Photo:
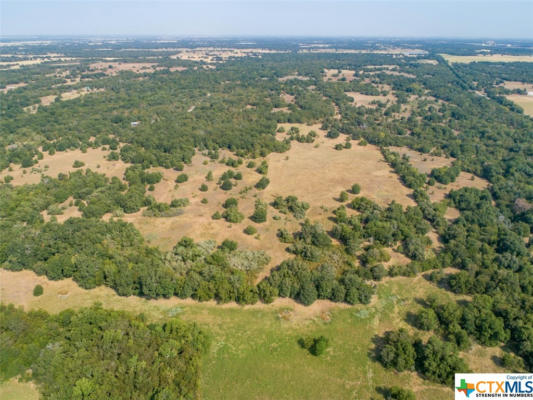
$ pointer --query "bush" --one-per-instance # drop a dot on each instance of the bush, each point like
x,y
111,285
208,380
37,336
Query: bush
x,y
78,164
230,202
398,351
232,215
38,290
250,230
316,346
427,320
177,203
262,183
203,188
397,393
182,178
343,197
356,188
229,245
226,185
260,212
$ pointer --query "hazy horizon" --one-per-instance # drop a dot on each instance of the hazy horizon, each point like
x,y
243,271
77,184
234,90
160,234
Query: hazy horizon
x,y
473,19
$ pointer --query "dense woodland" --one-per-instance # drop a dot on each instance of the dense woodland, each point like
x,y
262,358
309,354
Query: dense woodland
x,y
95,353
437,108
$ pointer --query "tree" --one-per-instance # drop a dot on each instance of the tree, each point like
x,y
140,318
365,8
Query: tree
x,y
226,185
397,393
262,183
427,320
343,197
260,212
316,346
308,293
38,290
439,361
182,178
203,187
250,230
356,188
398,352
232,214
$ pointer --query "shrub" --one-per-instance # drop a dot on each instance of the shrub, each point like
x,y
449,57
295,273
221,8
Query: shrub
x,y
229,245
230,202
316,346
203,188
263,168
176,203
343,197
427,320
38,290
232,215
78,164
182,178
356,189
226,185
397,393
260,212
250,230
263,183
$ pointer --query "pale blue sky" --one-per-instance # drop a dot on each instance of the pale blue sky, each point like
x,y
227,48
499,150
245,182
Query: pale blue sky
x,y
377,18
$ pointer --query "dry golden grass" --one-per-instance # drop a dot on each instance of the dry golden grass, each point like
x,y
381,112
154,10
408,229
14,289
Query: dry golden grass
x,y
69,211
360,99
392,50
15,390
12,86
294,76
423,162
73,94
438,192
426,61
526,102
314,174
213,54
486,58
62,161
483,359
334,75
113,67
452,213
318,174
287,98
47,100
511,85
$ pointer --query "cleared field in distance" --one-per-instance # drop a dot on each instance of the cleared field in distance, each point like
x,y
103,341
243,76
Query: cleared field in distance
x,y
526,102
61,162
486,58
254,351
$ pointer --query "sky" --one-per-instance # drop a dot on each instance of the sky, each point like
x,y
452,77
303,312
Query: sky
x,y
318,18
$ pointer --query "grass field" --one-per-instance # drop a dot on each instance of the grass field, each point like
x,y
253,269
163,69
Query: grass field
x,y
254,352
14,390
486,58
526,102
61,162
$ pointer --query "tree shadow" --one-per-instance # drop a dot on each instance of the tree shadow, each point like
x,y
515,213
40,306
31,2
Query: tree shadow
x,y
375,351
